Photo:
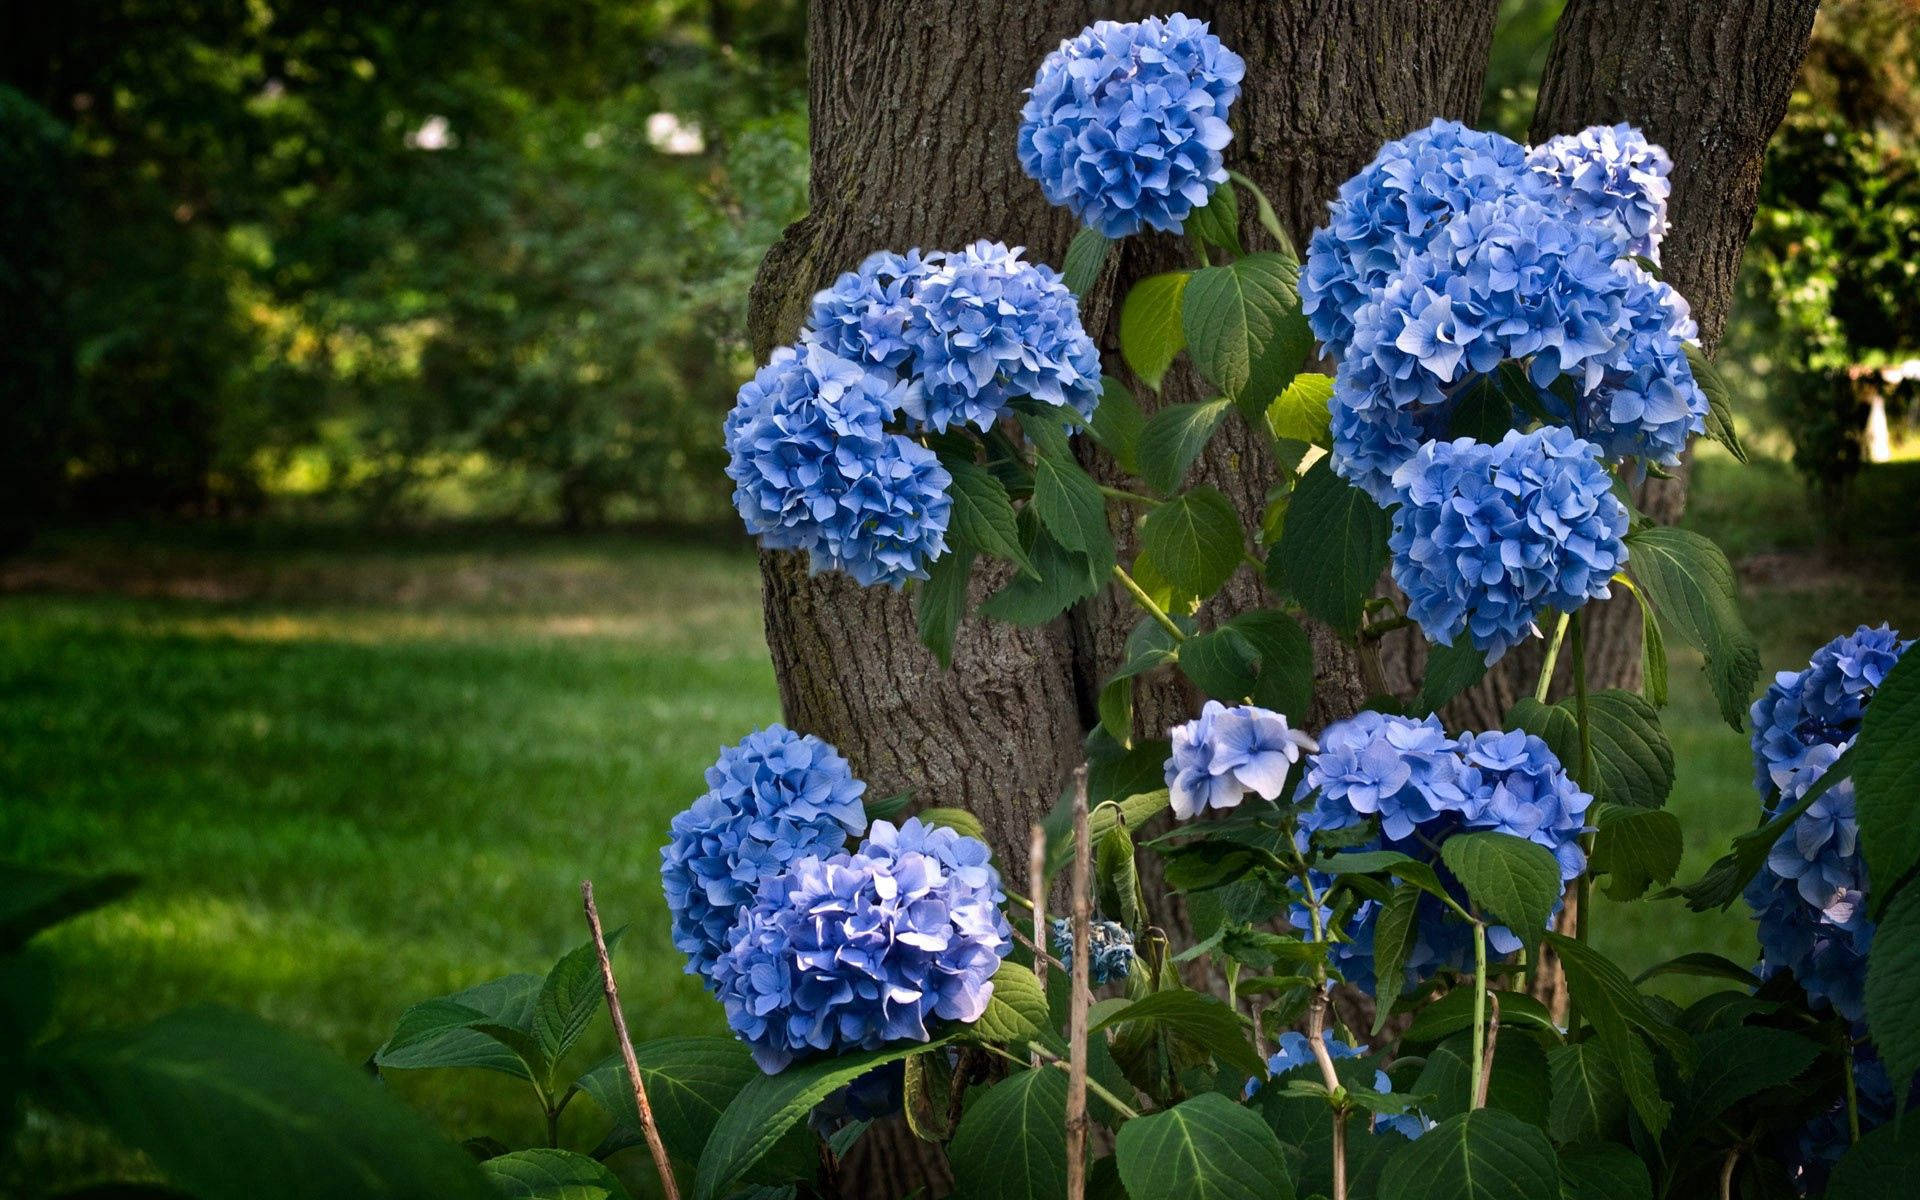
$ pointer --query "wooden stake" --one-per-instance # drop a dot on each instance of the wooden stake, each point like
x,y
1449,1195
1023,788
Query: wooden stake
x,y
1079,994
655,1147
1037,889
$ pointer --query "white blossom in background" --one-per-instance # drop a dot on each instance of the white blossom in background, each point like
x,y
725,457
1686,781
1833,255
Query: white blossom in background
x,y
668,134
435,133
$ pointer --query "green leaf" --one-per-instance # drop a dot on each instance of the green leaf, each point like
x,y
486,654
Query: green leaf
x,y
1118,423
1893,985
1518,1085
1009,1145
1173,438
1454,1011
1197,1016
572,993
1485,1154
1719,401
1484,412
1730,874
1283,669
1016,1012
1268,219
552,1175
1553,724
1702,965
1886,778
1881,1166
690,1081
769,1105
1244,327
1632,758
1069,504
1603,1173
982,520
1589,1096
442,1033
1736,1063
1150,329
1086,258
959,820
1620,1015
1195,539
229,1108
1688,580
1117,877
1636,848
1206,1148
1450,671
1217,222
1220,663
33,899
1301,412
1653,653
1332,548
940,602
1064,579
926,1092
1507,877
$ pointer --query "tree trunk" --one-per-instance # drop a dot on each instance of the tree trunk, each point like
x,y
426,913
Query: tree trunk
x,y
913,115
1710,82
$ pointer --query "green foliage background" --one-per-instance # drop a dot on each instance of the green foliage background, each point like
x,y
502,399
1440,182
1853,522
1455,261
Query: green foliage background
x,y
255,269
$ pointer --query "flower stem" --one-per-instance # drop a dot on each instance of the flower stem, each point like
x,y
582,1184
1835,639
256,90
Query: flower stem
x,y
1126,497
1552,659
1583,888
1853,1096
1479,1091
1145,601
1078,989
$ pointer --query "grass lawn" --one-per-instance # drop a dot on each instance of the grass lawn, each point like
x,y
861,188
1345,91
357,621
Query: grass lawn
x,y
355,773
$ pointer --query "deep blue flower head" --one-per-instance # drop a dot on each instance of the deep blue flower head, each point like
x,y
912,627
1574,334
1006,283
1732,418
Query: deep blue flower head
x,y
1110,949
1424,786
1224,753
873,1096
856,951
1486,537
1809,902
1613,175
1812,1151
1391,208
774,797
953,338
1124,123
1295,1053
814,469
985,328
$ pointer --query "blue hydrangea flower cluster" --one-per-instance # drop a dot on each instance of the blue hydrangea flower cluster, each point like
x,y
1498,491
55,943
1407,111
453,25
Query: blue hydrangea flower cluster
x,y
775,797
953,338
1486,537
1124,124
1813,1150
1612,174
854,951
1110,949
1422,786
1453,253
1295,1053
814,469
1224,753
1389,209
1809,901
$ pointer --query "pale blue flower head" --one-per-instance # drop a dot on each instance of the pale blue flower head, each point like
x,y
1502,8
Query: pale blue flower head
x,y
1124,124
1224,753
1403,771
1294,1052
858,951
814,469
985,327
1487,537
774,797
1612,175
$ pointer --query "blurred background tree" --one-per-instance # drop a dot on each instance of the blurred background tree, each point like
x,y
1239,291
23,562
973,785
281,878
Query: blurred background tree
x,y
386,259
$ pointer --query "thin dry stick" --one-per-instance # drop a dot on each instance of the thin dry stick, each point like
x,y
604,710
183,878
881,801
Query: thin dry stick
x,y
1037,888
1317,1042
1079,993
1493,1035
654,1146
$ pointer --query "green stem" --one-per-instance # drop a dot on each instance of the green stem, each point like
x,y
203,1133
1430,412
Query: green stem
x,y
1145,601
1853,1096
1380,629
1233,987
1552,659
1054,1060
1479,1012
1127,497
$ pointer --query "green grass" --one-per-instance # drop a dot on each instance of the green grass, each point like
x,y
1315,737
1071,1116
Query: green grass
x,y
358,773
357,777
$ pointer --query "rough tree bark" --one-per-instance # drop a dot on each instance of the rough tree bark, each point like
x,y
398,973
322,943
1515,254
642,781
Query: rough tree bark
x,y
1710,82
913,112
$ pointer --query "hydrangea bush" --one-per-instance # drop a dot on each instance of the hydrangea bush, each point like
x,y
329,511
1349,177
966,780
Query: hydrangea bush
x,y
1371,892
